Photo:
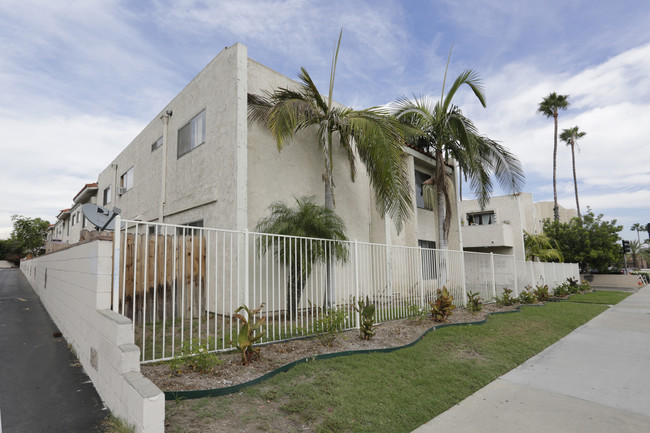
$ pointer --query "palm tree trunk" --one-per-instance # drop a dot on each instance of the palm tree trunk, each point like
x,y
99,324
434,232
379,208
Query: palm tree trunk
x,y
329,285
556,210
442,238
575,178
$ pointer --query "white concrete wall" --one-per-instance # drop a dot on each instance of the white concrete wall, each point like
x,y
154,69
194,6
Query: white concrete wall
x,y
75,288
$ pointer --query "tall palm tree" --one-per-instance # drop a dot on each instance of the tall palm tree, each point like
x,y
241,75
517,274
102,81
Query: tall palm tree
x,y
570,137
635,250
370,134
443,130
305,220
539,246
638,227
549,107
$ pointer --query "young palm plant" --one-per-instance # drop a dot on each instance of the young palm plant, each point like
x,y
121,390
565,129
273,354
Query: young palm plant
x,y
442,129
307,220
541,248
570,137
549,107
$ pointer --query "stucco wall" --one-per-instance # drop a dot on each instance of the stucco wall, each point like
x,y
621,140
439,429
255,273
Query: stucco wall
x,y
75,288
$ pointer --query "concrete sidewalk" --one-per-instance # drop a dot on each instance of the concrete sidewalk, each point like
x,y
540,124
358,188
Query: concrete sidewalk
x,y
596,379
42,386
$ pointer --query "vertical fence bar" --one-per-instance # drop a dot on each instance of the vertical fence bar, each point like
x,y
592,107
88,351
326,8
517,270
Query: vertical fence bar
x,y
116,263
494,283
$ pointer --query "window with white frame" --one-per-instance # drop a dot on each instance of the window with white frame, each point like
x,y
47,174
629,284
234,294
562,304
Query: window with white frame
x,y
107,196
126,180
191,135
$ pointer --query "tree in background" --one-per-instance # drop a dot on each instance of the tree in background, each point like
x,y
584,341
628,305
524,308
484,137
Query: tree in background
x,y
588,241
307,220
549,107
638,227
540,248
10,251
570,137
29,234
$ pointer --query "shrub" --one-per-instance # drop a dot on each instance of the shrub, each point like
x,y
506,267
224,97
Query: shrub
x,y
561,290
542,293
366,312
328,325
249,333
585,287
443,306
527,296
572,286
474,302
193,357
505,299
417,313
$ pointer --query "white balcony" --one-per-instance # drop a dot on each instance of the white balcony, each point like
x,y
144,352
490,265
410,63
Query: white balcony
x,y
488,235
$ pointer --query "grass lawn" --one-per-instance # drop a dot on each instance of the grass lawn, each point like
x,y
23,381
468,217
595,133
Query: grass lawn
x,y
605,297
389,392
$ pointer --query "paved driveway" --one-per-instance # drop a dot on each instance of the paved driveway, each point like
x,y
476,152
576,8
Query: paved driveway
x,y
42,388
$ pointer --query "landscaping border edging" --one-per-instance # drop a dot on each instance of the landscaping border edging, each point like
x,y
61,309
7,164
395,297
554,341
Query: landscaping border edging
x,y
217,392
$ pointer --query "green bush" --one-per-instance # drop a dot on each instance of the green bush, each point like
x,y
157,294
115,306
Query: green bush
x,y
527,296
328,325
416,313
505,299
474,302
193,357
561,290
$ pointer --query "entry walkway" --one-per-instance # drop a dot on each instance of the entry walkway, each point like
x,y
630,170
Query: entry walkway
x,y
596,379
42,387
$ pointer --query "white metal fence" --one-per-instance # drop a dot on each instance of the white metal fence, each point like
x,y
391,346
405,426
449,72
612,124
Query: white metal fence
x,y
181,285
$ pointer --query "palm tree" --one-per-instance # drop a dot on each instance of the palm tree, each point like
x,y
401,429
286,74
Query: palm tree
x,y
539,246
370,134
443,130
635,250
570,137
305,220
638,227
549,107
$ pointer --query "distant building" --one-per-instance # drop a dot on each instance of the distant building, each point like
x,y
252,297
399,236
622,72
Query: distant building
x,y
498,228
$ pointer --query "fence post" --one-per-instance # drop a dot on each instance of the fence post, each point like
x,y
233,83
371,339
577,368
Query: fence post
x,y
462,273
116,262
419,250
356,280
514,273
246,268
494,281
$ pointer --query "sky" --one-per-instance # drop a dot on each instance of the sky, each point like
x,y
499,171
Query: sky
x,y
79,79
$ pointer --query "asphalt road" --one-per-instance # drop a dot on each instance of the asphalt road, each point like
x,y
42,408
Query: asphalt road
x,y
42,386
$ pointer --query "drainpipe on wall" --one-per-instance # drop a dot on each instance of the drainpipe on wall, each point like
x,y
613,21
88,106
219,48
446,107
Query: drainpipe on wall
x,y
163,172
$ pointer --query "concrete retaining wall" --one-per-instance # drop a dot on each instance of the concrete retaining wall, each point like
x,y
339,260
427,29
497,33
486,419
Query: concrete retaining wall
x,y
75,288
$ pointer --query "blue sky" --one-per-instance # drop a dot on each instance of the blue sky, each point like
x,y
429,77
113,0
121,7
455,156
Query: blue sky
x,y
80,79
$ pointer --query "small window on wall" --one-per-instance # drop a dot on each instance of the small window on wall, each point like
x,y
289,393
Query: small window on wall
x,y
420,178
126,180
191,135
480,219
107,196
156,144
181,231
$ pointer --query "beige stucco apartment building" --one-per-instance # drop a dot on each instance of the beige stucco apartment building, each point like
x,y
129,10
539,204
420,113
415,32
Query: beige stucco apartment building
x,y
498,228
200,162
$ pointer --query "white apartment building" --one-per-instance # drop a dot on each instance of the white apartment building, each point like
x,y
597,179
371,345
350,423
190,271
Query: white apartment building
x,y
200,162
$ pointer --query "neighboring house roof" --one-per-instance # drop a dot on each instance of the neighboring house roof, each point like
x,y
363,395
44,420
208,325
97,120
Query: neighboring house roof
x,y
86,192
63,214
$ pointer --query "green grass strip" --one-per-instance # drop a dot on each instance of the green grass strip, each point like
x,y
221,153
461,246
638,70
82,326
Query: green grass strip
x,y
604,297
397,390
